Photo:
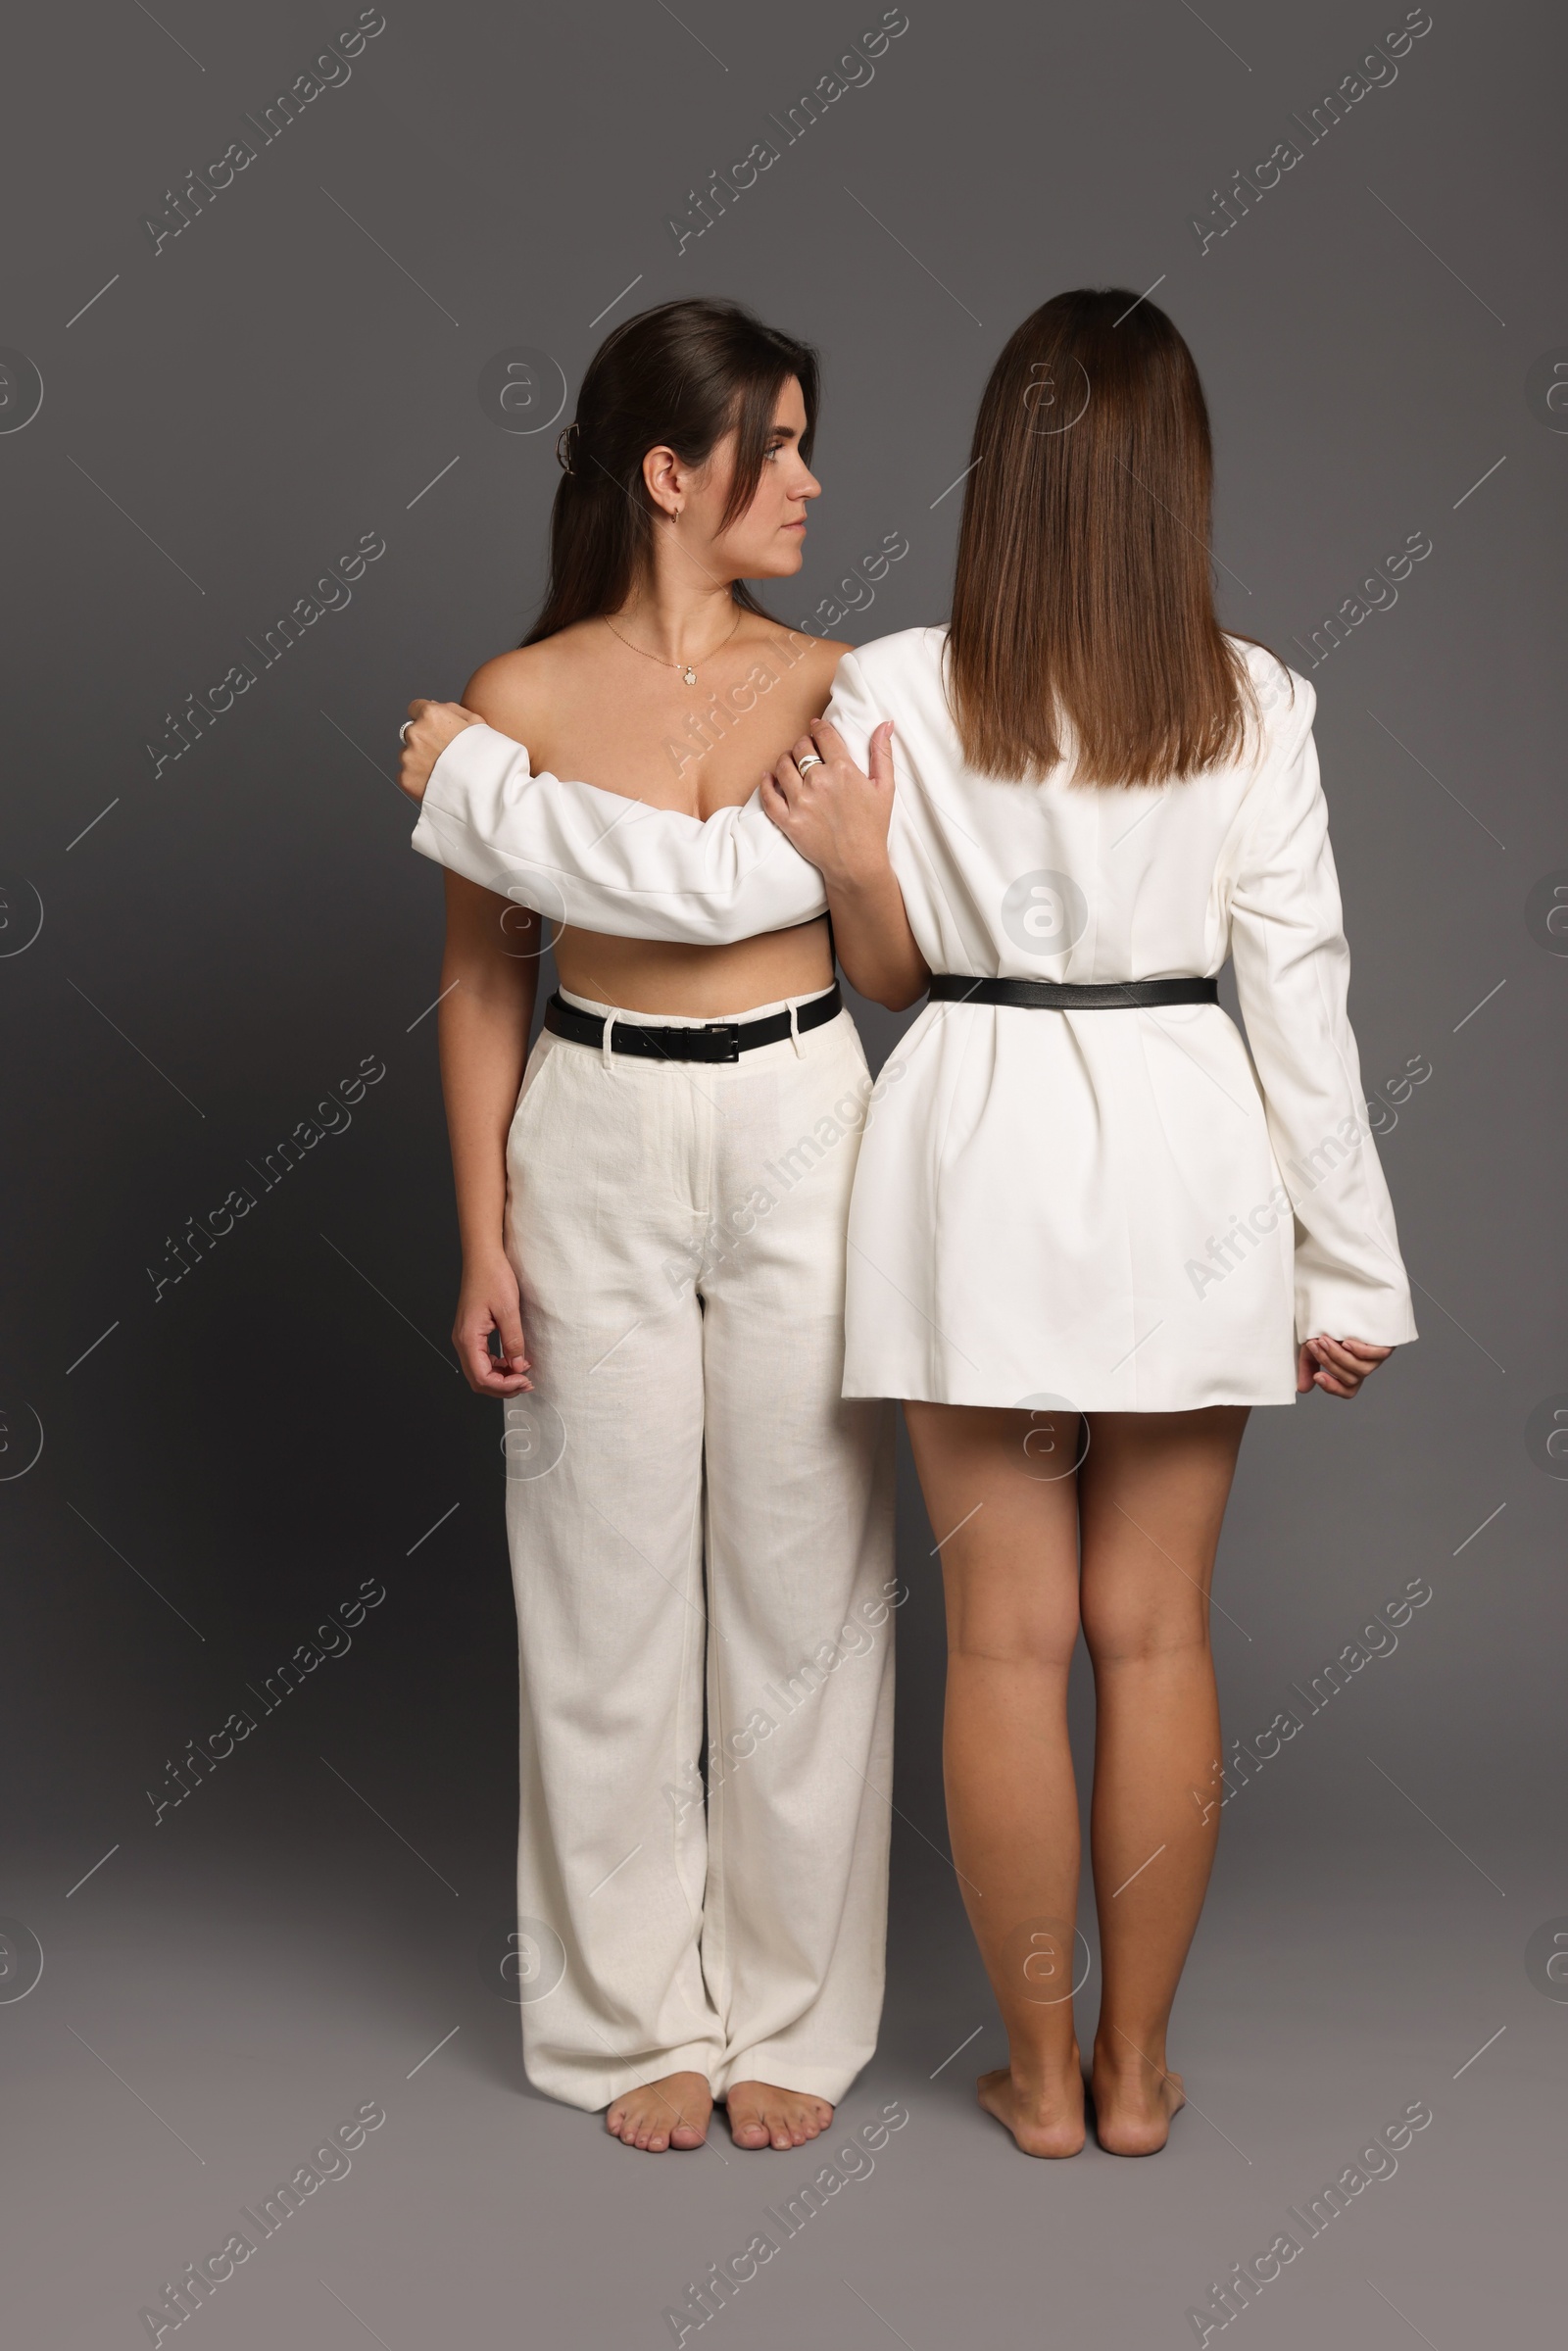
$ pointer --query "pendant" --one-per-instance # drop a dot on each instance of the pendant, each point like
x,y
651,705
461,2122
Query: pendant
x,y
690,675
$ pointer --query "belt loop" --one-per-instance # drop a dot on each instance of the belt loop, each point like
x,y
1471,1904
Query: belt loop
x,y
795,1031
606,1043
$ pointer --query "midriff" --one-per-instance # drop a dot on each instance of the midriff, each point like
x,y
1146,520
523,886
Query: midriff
x,y
703,983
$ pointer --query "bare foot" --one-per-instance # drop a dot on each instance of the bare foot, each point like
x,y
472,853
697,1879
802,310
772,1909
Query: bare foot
x,y
762,2116
1134,2102
671,2112
1045,2113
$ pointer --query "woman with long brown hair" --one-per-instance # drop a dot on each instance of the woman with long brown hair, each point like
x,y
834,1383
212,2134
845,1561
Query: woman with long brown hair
x,y
652,1216
1087,1234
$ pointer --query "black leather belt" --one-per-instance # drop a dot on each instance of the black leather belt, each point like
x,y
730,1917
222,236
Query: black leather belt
x,y
714,1041
1066,996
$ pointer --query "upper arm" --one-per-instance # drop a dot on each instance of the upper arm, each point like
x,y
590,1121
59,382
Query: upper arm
x,y
492,943
1285,821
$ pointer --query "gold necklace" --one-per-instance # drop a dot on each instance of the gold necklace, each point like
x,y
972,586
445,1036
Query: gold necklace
x,y
686,668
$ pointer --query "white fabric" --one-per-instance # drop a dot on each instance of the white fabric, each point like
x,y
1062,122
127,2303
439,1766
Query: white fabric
x,y
1096,1207
1115,1207
677,1231
601,862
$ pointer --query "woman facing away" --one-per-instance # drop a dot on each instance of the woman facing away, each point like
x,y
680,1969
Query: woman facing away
x,y
694,1513
1088,1232
1088,1236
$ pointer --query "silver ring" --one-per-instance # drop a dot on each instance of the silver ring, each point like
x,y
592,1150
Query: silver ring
x,y
403,730
813,758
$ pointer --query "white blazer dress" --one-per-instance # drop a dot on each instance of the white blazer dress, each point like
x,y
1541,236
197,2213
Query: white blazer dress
x,y
1114,1209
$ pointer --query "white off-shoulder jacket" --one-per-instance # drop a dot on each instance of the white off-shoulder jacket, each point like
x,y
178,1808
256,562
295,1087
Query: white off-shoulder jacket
x,y
1115,1210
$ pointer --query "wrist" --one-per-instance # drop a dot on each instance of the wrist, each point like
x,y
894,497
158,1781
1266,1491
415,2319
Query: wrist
x,y
866,877
482,1256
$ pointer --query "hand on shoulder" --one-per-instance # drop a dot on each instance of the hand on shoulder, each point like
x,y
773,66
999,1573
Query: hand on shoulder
x,y
430,726
835,813
506,693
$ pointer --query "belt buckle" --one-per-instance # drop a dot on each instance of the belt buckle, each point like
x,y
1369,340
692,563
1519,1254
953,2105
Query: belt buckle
x,y
726,1038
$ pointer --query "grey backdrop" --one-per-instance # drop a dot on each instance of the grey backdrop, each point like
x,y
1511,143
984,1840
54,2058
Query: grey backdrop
x,y
197,949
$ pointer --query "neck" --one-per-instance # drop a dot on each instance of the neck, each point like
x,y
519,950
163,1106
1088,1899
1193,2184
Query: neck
x,y
679,611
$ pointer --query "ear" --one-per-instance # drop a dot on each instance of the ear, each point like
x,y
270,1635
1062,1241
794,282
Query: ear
x,y
664,477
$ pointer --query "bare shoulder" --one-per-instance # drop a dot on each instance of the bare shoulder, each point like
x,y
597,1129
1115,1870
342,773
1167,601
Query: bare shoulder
x,y
833,652
516,691
786,651
507,691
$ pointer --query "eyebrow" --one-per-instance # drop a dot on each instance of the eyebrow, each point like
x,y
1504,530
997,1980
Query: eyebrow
x,y
786,432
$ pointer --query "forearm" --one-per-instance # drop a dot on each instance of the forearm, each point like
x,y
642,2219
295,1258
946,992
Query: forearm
x,y
600,862
484,1020
873,940
1292,970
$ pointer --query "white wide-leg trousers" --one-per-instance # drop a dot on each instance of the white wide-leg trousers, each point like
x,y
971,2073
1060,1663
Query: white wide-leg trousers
x,y
700,1532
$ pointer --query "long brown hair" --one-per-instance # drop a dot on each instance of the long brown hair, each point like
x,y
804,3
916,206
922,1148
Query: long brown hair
x,y
680,376
1082,613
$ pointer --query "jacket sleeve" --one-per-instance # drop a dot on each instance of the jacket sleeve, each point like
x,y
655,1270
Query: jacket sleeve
x,y
600,863
1293,971
852,709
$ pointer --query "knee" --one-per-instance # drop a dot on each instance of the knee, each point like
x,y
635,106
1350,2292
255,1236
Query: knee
x,y
1041,1643
1141,1633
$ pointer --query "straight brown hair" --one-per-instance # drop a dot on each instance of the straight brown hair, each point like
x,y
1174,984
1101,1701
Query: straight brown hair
x,y
1083,611
680,376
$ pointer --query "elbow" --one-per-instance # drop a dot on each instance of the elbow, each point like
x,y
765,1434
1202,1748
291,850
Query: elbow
x,y
892,981
893,994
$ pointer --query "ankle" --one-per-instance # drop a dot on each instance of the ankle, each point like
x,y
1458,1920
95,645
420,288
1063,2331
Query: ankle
x,y
1130,2057
1055,2062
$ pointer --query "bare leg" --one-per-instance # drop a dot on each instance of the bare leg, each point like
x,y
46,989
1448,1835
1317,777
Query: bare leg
x,y
1007,1519
761,2114
671,2112
1152,1492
